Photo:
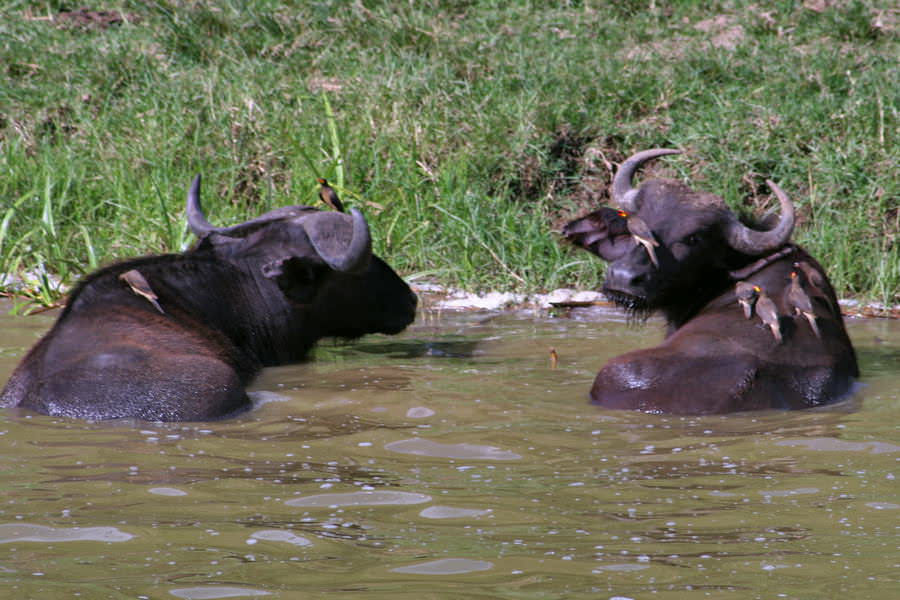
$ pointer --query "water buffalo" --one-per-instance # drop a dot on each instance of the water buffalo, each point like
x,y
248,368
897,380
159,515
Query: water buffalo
x,y
178,337
753,321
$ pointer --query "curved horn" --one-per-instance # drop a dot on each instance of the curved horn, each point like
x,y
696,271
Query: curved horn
x,y
753,242
195,217
622,192
356,255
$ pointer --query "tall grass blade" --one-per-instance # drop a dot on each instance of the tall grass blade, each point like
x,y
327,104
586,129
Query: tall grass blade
x,y
335,142
171,241
93,263
4,229
47,211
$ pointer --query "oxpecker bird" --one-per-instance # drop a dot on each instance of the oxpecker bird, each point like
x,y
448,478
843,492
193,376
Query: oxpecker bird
x,y
799,302
768,314
139,286
746,293
815,282
813,277
328,195
642,235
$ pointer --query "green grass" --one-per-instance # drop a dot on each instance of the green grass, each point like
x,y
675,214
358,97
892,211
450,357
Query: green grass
x,y
467,131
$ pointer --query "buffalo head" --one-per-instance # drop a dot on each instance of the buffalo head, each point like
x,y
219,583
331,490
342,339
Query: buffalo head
x,y
320,261
666,243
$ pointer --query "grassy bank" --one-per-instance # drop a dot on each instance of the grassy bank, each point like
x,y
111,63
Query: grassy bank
x,y
467,131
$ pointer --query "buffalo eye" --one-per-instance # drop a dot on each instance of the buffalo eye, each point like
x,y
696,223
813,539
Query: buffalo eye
x,y
687,246
298,279
693,239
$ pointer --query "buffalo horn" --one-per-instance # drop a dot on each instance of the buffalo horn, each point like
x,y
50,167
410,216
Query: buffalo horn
x,y
351,259
622,191
753,242
195,217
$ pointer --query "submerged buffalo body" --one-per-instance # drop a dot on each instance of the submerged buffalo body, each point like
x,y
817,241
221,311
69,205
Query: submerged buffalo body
x,y
178,337
753,321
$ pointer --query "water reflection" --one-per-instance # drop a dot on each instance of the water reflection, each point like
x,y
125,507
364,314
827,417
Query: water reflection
x,y
364,498
787,493
219,467
879,358
446,566
419,412
277,535
457,348
215,592
166,491
423,447
449,512
835,445
27,532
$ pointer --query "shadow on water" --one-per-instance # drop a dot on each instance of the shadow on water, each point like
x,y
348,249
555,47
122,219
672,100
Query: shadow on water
x,y
881,359
459,348
457,461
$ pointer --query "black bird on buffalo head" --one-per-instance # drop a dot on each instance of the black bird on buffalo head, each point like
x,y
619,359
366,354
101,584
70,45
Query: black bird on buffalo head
x,y
329,196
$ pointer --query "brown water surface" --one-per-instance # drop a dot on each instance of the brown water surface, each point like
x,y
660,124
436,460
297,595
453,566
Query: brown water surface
x,y
452,461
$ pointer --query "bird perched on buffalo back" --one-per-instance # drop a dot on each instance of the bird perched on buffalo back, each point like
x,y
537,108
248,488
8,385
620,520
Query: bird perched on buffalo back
x,y
813,277
800,303
815,283
768,313
328,195
139,285
746,293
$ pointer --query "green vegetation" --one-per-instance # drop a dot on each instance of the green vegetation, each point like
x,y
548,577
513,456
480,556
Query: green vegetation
x,y
467,131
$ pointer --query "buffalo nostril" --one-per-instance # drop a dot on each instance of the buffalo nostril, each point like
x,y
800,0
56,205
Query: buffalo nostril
x,y
625,278
638,280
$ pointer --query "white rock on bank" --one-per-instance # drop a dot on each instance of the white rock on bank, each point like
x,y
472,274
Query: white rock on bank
x,y
451,299
489,301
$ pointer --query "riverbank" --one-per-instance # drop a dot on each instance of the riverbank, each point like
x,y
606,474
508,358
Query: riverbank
x,y
436,297
468,133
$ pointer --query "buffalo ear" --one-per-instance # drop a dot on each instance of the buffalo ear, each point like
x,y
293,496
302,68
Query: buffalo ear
x,y
298,278
603,232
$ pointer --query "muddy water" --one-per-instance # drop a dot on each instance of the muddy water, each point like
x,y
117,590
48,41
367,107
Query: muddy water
x,y
453,462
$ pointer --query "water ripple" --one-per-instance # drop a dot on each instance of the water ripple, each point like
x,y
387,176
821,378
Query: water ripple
x,y
376,498
836,445
277,535
449,512
423,447
446,566
214,592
